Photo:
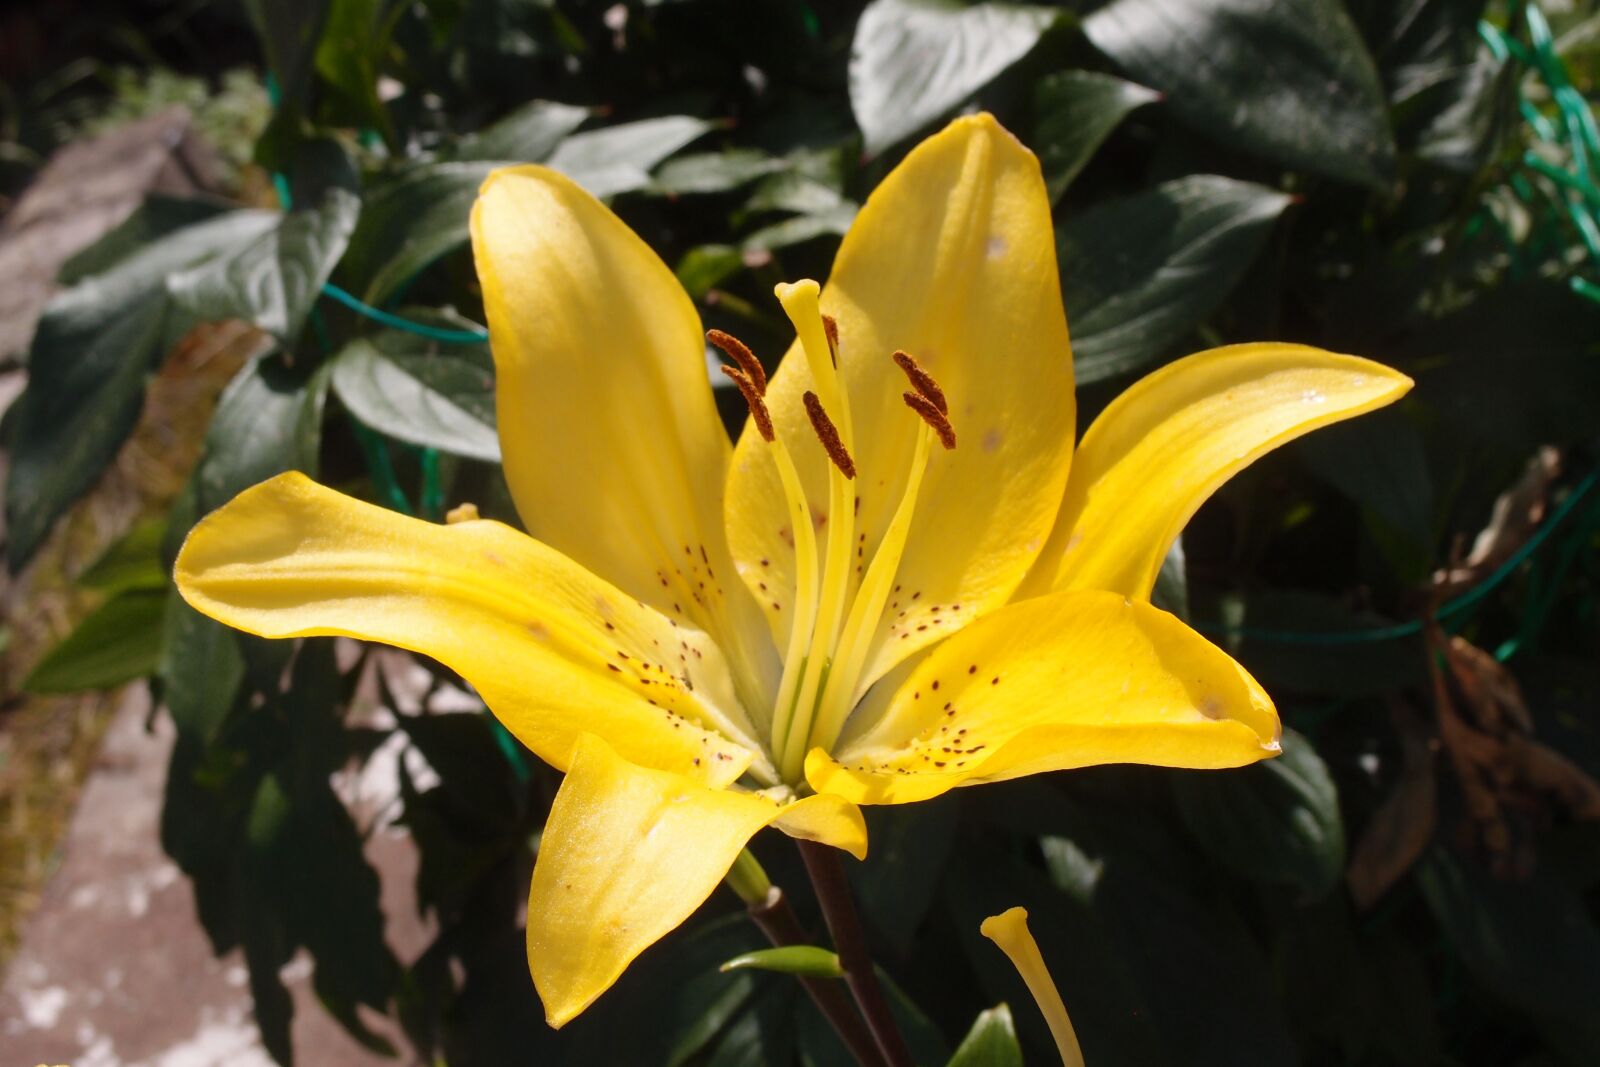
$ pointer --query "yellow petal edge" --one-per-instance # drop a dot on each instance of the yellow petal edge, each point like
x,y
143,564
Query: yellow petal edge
x,y
1172,438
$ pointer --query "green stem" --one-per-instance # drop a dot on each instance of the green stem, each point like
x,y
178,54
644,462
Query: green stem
x,y
839,911
776,919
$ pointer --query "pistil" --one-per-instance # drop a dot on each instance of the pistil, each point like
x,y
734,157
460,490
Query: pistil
x,y
752,382
840,695
834,619
800,303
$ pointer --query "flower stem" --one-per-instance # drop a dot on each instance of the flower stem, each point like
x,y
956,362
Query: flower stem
x,y
777,920
839,910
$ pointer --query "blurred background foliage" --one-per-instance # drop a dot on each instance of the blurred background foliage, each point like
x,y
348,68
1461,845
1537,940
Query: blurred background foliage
x,y
1415,881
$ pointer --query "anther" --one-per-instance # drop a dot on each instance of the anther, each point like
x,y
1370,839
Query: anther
x,y
740,353
829,435
933,417
752,397
830,326
922,381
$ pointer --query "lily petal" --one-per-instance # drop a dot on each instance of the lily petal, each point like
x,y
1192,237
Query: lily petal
x,y
629,853
612,445
952,259
553,650
1173,437
1067,680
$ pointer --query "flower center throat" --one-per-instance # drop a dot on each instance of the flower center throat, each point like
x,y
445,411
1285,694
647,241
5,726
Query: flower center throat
x,y
839,597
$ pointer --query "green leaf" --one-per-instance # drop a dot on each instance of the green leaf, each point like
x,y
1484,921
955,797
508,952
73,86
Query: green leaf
x,y
1275,821
1530,940
423,214
117,642
671,1004
1290,80
420,391
1139,273
96,345
274,280
808,961
348,56
831,223
714,172
201,670
154,219
1123,928
134,562
409,222
897,882
289,31
1171,592
992,1042
704,267
1380,461
1077,111
763,1036
268,420
914,60
529,133
618,159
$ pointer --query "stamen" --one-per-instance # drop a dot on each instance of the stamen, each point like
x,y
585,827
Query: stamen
x,y
829,435
740,353
933,417
752,398
830,326
922,381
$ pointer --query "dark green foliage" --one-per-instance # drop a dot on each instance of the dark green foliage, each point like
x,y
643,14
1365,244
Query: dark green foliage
x,y
1346,174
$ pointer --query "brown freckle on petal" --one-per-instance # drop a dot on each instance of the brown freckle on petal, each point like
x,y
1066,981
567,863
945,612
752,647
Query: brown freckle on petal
x,y
972,669
938,763
697,761
776,606
614,667
936,685
995,680
917,695
766,563
917,594
921,628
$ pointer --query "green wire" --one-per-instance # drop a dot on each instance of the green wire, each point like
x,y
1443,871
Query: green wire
x,y
475,336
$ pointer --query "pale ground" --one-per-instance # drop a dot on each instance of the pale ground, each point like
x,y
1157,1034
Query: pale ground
x,y
113,969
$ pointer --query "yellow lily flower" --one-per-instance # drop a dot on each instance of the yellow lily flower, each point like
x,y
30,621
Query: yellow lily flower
x,y
842,609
